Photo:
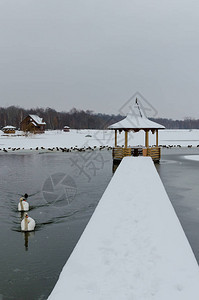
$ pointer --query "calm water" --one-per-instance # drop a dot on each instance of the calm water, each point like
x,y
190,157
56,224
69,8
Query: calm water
x,y
64,190
180,178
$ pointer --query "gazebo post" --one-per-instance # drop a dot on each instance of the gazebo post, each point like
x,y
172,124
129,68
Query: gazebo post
x,y
116,138
156,137
146,138
126,138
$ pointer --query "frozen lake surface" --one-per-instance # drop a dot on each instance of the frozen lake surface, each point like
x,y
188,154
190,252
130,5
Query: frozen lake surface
x,y
64,190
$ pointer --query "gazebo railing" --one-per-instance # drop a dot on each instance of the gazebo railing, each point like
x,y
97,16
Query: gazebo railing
x,y
153,152
120,152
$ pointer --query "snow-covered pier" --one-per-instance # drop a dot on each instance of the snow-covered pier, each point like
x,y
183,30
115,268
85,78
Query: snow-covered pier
x,y
134,247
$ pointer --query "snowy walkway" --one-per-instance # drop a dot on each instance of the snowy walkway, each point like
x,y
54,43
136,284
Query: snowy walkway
x,y
134,247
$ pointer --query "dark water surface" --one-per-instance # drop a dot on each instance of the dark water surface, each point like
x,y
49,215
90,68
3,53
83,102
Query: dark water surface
x,y
64,190
180,177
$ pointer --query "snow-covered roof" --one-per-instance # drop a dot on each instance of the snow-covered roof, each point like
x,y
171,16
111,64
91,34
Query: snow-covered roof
x,y
67,127
37,119
9,127
136,119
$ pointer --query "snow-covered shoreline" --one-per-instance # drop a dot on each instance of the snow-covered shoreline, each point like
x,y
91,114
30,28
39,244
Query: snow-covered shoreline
x,y
93,138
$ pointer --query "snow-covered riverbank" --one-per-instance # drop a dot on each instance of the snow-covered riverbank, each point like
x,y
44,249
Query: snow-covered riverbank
x,y
91,138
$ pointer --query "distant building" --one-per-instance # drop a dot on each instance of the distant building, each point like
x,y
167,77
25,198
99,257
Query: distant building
x,y
33,123
9,129
66,129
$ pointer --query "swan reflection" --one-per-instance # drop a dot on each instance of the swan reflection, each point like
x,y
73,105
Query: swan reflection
x,y
26,237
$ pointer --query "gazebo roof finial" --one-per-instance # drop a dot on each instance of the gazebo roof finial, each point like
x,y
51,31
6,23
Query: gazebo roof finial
x,y
136,120
140,112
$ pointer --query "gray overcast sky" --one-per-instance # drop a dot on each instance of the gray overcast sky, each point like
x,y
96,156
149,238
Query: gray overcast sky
x,y
95,54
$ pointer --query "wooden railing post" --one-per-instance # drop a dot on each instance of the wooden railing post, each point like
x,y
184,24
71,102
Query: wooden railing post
x,y
126,138
116,138
147,138
156,137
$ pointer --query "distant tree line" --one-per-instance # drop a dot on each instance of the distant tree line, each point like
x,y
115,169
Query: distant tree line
x,y
77,119
187,123
80,119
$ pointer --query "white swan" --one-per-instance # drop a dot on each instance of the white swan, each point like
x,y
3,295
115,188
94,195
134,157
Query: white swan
x,y
23,205
27,224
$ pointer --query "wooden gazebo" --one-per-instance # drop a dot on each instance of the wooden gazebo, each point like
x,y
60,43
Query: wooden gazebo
x,y
136,121
9,129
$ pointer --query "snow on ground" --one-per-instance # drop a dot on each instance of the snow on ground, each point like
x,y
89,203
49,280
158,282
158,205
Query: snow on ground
x,y
81,138
192,157
57,138
53,138
134,247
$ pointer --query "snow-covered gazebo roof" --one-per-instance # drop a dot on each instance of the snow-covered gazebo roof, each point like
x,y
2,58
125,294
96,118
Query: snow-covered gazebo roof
x,y
136,120
9,127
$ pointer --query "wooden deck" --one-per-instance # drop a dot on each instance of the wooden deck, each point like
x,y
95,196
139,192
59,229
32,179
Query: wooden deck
x,y
154,152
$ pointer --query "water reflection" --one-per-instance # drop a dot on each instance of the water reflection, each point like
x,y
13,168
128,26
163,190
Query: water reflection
x,y
25,234
26,237
115,165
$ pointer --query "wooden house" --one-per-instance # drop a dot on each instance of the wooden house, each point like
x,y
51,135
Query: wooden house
x,y
33,123
136,121
9,129
66,129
